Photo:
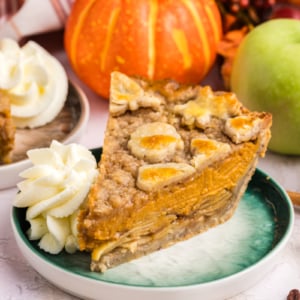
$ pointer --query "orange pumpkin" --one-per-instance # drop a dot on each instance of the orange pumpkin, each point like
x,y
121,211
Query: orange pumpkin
x,y
156,39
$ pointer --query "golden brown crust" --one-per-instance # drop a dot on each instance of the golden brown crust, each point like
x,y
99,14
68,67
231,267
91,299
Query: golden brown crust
x,y
7,130
122,213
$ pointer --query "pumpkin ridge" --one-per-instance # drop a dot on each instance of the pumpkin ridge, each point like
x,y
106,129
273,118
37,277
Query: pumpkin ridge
x,y
213,22
76,33
111,26
200,28
151,37
182,45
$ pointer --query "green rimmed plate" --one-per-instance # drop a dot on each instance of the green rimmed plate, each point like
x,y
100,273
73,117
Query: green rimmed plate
x,y
215,265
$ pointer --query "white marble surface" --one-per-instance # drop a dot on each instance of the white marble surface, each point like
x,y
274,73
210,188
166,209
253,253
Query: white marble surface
x,y
19,281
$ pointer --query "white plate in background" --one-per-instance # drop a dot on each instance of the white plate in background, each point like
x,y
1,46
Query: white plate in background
x,y
67,127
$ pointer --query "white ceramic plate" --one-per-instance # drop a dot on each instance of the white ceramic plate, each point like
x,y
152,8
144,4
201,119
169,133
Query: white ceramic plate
x,y
212,266
67,127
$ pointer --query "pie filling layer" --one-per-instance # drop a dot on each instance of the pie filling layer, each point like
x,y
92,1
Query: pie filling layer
x,y
174,214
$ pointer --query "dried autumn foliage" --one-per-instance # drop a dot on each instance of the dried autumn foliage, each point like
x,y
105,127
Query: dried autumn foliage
x,y
238,18
227,48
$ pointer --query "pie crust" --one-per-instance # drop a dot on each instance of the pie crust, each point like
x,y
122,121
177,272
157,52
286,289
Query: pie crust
x,y
7,130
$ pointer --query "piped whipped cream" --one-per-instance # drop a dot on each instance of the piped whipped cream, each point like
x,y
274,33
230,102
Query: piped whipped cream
x,y
34,80
53,190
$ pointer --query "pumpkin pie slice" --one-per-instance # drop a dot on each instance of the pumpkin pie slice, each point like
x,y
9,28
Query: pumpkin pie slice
x,y
176,161
7,130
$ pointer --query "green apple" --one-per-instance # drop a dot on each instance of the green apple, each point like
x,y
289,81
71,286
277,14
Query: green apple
x,y
266,77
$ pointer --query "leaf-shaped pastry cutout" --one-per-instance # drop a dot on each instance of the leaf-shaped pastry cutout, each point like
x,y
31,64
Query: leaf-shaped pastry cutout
x,y
153,177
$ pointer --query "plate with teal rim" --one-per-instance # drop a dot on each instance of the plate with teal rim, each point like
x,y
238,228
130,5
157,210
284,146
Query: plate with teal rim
x,y
217,264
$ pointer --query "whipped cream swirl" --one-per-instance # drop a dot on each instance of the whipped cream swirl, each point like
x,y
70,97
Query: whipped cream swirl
x,y
35,82
53,191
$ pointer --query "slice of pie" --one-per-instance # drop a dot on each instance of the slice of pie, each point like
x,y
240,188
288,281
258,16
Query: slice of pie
x,y
176,161
7,130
